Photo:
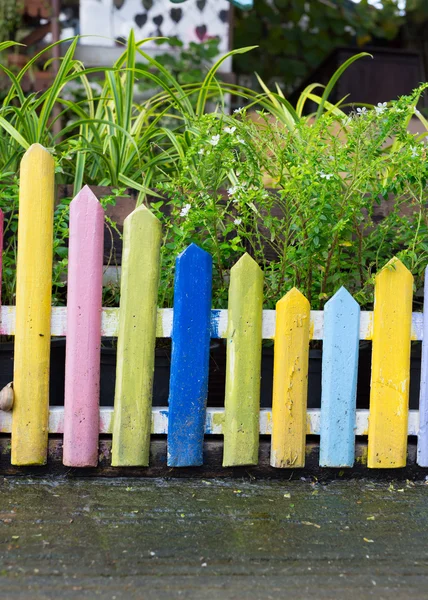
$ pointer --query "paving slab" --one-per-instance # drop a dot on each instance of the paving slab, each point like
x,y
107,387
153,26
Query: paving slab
x,y
224,539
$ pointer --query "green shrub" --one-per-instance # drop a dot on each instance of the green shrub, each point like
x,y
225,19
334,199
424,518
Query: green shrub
x,y
302,200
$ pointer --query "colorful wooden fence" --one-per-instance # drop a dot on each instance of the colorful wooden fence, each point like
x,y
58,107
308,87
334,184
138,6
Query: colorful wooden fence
x,y
191,325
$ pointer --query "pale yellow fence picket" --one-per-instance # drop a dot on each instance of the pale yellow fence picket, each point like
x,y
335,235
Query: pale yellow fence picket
x,y
244,340
136,339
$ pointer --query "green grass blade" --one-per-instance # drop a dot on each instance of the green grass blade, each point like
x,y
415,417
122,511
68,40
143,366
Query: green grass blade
x,y
202,97
14,133
334,79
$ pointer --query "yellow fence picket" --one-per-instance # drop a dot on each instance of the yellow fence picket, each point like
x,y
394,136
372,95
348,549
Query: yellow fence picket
x,y
389,395
290,381
244,341
136,339
33,308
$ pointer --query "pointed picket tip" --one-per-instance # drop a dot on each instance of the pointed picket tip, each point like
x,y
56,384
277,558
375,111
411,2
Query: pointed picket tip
x,y
396,267
85,196
342,296
294,296
37,152
142,214
246,262
194,251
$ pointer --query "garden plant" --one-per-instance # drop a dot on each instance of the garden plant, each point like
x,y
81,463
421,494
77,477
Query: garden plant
x,y
299,193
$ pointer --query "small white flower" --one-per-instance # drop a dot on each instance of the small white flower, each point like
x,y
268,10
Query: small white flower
x,y
232,190
304,22
238,111
349,30
214,140
325,175
237,221
240,141
362,111
185,210
314,30
415,152
201,151
380,108
331,157
230,130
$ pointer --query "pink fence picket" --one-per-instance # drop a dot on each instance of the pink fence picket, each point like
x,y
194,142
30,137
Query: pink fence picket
x,y
82,368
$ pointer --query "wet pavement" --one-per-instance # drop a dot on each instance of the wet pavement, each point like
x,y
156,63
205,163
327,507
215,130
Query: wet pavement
x,y
153,538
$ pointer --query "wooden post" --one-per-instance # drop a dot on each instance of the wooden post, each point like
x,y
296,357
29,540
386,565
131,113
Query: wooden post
x,y
33,308
422,457
84,301
136,339
389,395
339,380
190,357
243,365
290,381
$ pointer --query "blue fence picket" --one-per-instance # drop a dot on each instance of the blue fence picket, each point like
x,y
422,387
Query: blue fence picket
x,y
339,380
422,456
190,357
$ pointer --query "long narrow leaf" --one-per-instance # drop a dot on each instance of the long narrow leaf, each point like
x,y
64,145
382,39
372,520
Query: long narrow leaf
x,y
335,77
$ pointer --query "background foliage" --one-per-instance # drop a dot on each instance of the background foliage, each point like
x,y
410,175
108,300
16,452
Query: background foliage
x,y
294,36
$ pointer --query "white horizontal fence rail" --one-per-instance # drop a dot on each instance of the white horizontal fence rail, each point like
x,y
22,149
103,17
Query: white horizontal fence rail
x,y
214,417
110,323
213,423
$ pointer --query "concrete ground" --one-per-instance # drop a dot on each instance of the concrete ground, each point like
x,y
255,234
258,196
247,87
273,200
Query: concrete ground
x,y
153,538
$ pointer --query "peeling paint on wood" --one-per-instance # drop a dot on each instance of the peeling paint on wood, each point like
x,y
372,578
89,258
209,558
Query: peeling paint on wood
x,y
136,339
339,380
290,381
389,395
422,457
33,308
110,323
84,301
244,345
214,421
190,357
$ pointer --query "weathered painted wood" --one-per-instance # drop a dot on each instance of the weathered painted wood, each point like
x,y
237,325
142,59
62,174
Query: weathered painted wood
x,y
84,301
422,456
243,364
290,381
339,380
110,323
389,395
33,308
213,423
136,339
211,468
188,388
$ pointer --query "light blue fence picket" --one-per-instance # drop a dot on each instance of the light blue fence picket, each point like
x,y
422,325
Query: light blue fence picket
x,y
339,380
190,357
243,325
